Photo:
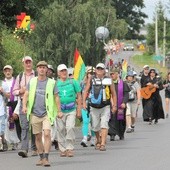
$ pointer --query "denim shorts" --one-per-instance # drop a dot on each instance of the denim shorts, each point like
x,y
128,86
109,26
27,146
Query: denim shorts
x,y
2,124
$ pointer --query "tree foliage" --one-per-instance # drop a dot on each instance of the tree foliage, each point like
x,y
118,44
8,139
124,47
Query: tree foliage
x,y
63,25
61,28
130,11
13,50
10,8
160,10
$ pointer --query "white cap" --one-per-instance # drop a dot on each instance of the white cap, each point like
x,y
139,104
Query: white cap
x,y
62,67
146,66
26,58
50,67
7,66
100,65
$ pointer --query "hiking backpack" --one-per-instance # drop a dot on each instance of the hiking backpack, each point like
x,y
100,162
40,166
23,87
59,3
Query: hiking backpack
x,y
132,92
99,94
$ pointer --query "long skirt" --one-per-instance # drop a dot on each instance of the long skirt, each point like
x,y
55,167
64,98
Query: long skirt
x,y
117,127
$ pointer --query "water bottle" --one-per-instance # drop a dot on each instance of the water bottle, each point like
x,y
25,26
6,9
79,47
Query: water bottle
x,y
104,94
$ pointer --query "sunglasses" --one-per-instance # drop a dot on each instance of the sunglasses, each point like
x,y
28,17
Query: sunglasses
x,y
63,70
99,68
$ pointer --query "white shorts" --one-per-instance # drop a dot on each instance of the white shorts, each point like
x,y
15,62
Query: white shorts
x,y
131,109
100,118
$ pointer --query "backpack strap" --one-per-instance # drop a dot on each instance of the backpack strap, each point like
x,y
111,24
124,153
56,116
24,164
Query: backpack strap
x,y
20,77
35,73
21,74
71,82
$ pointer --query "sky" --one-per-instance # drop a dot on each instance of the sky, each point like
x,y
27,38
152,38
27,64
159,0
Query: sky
x,y
150,9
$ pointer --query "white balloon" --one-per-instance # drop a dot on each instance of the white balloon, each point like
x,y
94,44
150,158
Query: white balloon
x,y
102,33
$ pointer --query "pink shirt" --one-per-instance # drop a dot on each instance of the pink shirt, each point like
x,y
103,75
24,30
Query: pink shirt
x,y
23,83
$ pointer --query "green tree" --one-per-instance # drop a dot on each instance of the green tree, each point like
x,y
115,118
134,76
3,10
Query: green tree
x,y
13,50
168,28
160,10
31,7
2,51
131,12
63,27
9,10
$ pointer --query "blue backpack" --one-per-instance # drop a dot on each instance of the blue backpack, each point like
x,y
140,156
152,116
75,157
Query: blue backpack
x,y
96,95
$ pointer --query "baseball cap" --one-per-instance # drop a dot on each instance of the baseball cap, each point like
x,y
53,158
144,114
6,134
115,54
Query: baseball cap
x,y
62,67
101,65
7,66
42,63
115,70
146,66
50,67
26,58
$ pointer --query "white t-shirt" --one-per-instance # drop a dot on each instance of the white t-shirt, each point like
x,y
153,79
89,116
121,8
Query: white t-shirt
x,y
2,102
9,84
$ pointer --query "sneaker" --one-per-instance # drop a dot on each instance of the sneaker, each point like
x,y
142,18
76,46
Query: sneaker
x,y
84,143
5,147
133,128
34,153
23,153
150,121
70,153
112,138
88,137
14,146
63,154
156,121
129,130
92,142
1,145
46,162
55,143
122,137
40,162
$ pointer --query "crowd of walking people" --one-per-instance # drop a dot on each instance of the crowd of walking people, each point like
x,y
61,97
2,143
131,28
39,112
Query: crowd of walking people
x,y
39,107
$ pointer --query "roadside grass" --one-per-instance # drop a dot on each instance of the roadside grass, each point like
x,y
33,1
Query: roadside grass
x,y
147,59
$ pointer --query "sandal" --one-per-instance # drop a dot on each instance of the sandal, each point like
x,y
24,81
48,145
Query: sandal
x,y
102,148
97,147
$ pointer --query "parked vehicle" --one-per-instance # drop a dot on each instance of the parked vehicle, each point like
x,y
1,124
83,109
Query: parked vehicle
x,y
128,47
